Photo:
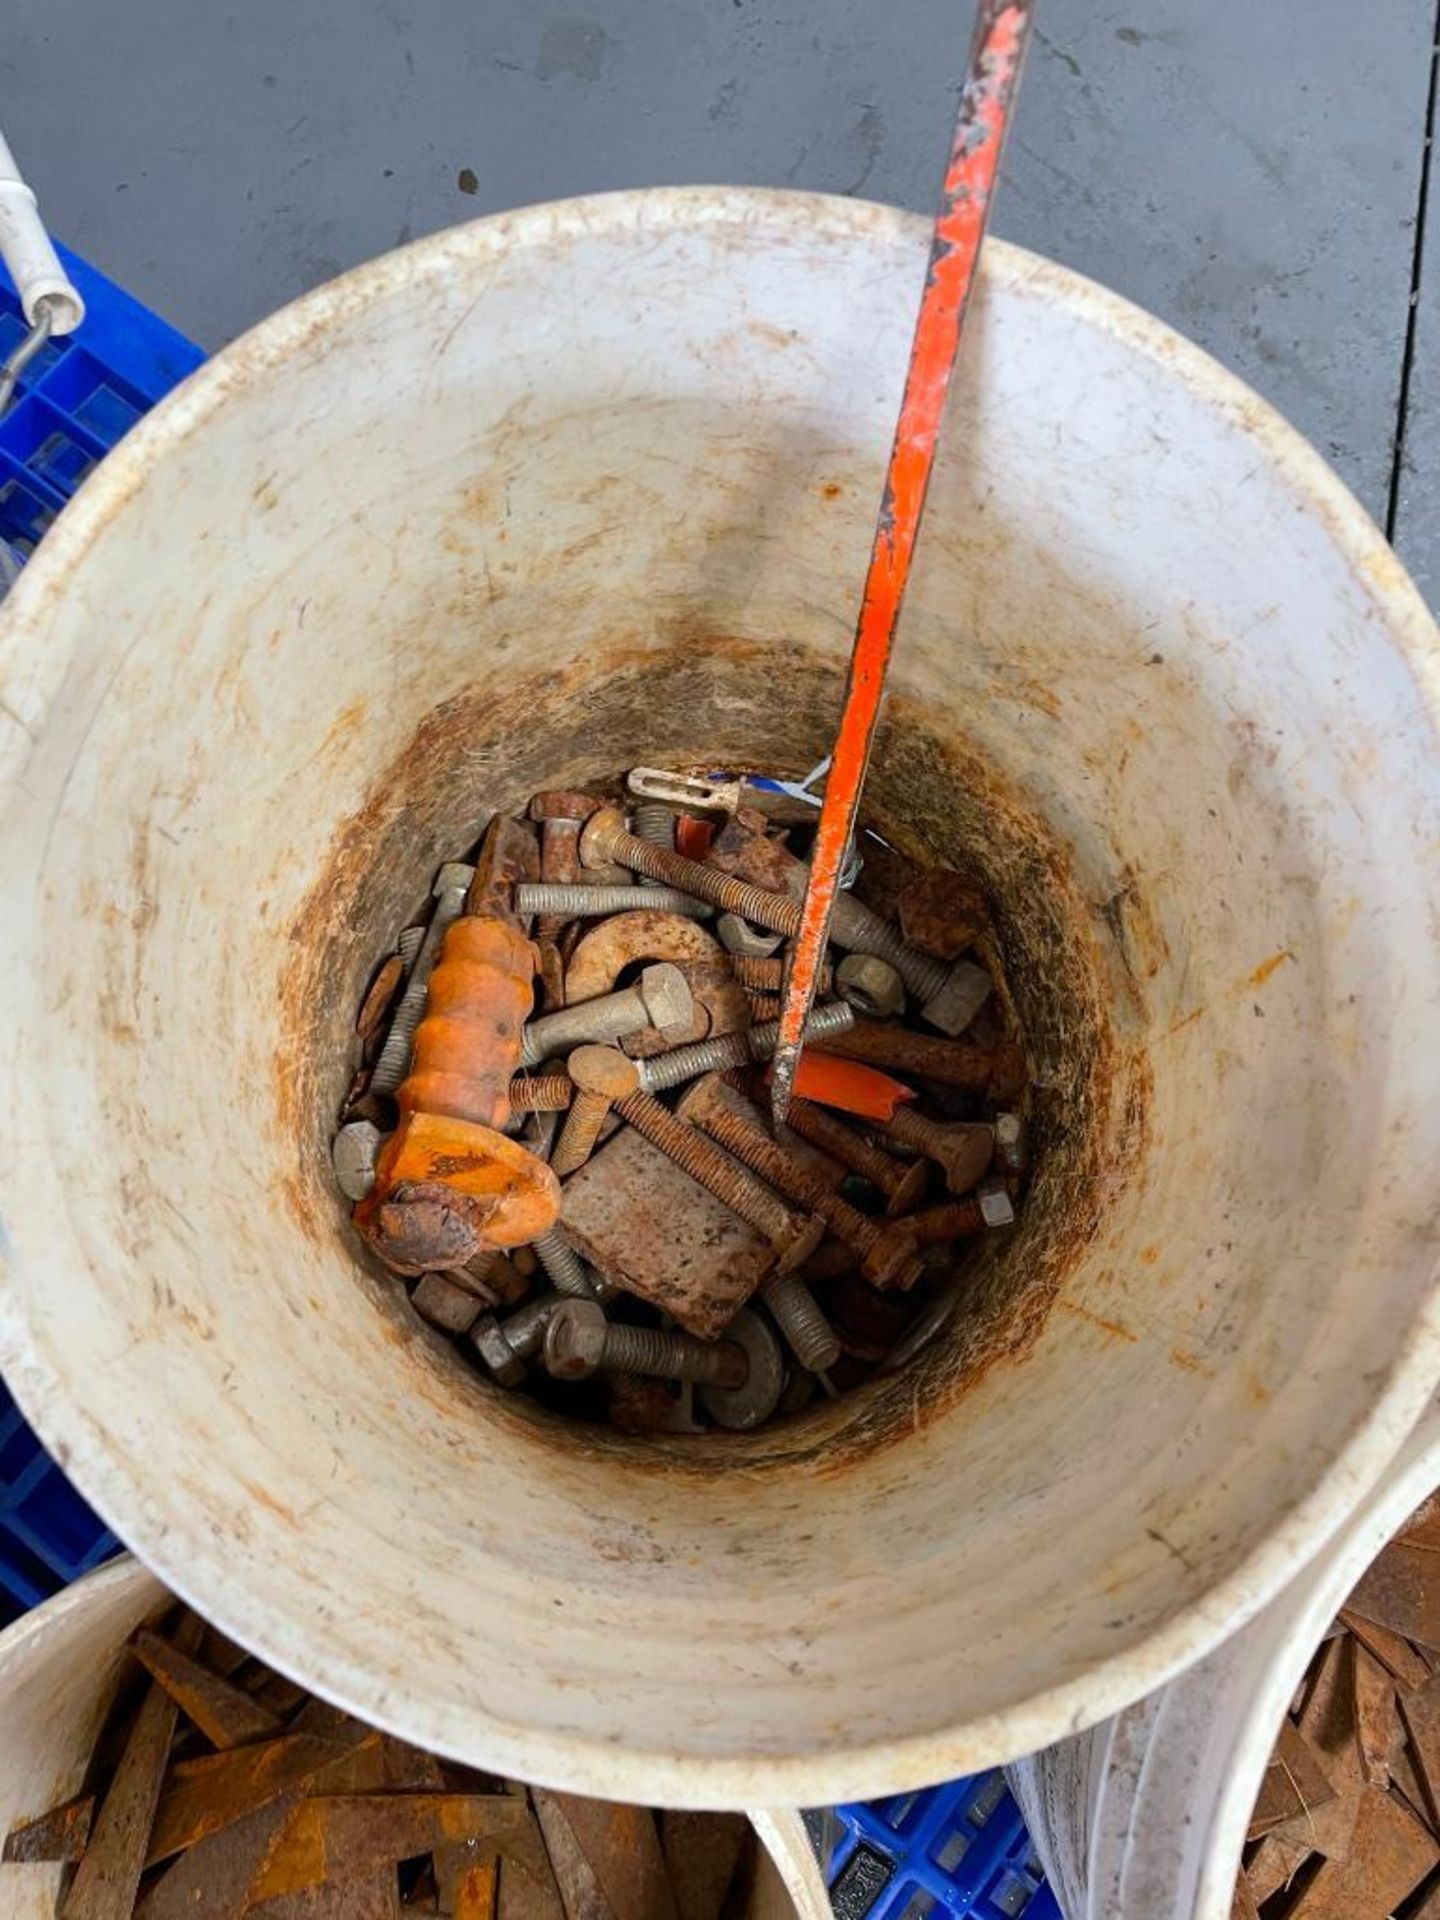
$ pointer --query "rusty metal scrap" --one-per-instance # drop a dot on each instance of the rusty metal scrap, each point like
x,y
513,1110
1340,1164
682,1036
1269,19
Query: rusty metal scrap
x,y
482,1201
328,1819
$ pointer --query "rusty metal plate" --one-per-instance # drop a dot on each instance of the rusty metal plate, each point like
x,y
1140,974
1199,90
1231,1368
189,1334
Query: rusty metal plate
x,y
1401,1591
215,1789
58,1834
108,1876
652,1230
1421,1713
942,913
1395,1654
1389,1856
1376,1721
1294,1783
224,1713
702,1852
608,1861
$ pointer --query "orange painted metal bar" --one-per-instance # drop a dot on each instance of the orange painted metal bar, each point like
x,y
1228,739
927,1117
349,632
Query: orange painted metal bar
x,y
997,51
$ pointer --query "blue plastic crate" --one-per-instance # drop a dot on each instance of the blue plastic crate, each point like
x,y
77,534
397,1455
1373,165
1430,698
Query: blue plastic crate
x,y
961,1849
78,397
74,402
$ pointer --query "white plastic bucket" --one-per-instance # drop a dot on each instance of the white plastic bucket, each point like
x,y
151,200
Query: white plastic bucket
x,y
60,1667
1144,1816
593,485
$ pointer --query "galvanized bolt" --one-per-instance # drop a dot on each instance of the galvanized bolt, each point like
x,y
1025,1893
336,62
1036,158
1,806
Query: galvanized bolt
x,y
605,838
602,1075
655,823
579,1340
796,1311
793,1236
959,997
901,1181
661,999
888,1256
989,1208
505,1345
751,1404
962,1148
567,1271
1012,1142
870,985
409,944
541,1092
452,883
737,936
736,1049
560,815
352,1154
579,902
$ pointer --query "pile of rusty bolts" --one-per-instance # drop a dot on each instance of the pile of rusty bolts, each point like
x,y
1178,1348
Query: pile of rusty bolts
x,y
559,1132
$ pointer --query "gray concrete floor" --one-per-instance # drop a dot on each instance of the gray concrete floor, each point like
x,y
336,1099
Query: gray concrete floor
x,y
1253,173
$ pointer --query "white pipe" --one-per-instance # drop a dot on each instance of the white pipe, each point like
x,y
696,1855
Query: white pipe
x,y
31,260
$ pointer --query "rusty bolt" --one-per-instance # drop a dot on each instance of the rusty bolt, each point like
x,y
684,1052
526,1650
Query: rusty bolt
x,y
602,1075
605,838
888,1257
560,815
737,936
959,997
737,1049
870,985
998,1072
985,1210
764,975
540,1093
660,999
753,1402
352,1154
579,902
963,1149
901,1181
579,1340
452,884
794,1236
444,1304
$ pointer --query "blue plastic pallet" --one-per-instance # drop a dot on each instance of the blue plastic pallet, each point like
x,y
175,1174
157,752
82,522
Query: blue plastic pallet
x,y
74,402
78,397
960,1849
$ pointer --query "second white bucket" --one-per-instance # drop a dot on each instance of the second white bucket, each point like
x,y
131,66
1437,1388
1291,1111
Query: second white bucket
x,y
590,486
1144,1816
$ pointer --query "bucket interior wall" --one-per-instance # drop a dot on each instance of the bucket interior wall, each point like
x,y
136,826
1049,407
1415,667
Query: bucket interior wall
x,y
594,485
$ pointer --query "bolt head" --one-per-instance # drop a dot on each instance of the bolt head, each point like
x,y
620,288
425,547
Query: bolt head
x,y
968,1149
575,1340
488,1339
597,836
960,996
563,804
870,985
603,1070
996,1207
454,877
352,1154
739,936
667,996
909,1189
894,1261
740,1408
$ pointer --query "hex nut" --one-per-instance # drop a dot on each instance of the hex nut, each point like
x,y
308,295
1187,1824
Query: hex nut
x,y
575,1340
488,1338
870,985
667,996
741,1408
741,936
960,996
352,1155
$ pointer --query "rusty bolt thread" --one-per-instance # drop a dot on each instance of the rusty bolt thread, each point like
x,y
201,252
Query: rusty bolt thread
x,y
541,1092
606,838
580,902
394,1061
737,1049
658,1354
694,1154
950,1144
896,1179
563,1265
956,1220
764,1007
999,1072
710,1108
587,1115
794,1309
600,1021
